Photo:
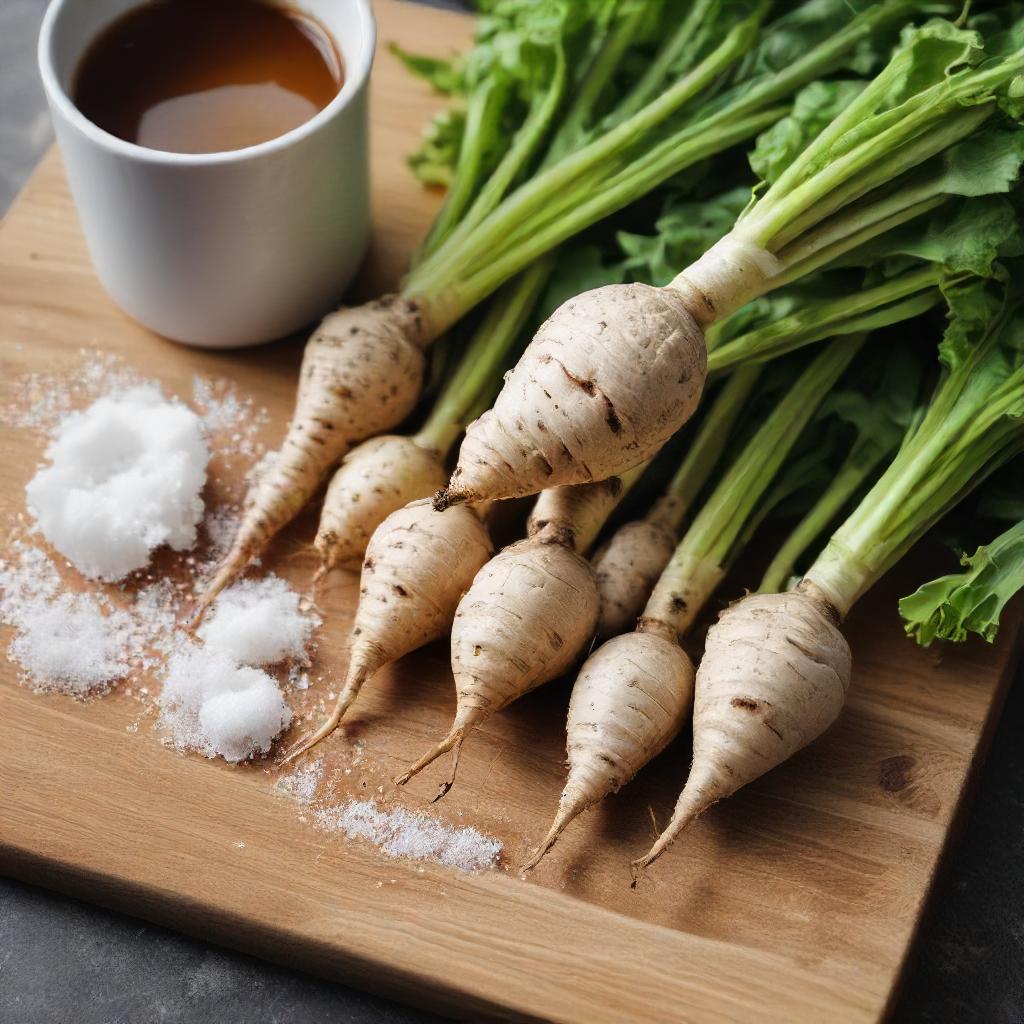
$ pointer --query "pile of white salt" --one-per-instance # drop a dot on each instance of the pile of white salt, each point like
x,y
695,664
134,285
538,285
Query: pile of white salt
x,y
125,478
215,698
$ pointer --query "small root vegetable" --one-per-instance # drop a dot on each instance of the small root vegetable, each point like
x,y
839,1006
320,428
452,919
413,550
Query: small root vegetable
x,y
635,556
418,565
581,511
607,380
631,698
375,479
626,569
774,677
361,375
526,619
633,694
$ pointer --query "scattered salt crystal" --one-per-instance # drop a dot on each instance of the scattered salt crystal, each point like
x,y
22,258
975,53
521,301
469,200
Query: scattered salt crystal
x,y
399,832
301,785
232,421
125,478
258,622
211,704
67,642
70,644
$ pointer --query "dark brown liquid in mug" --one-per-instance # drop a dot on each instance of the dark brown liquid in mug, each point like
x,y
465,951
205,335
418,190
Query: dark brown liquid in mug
x,y
203,76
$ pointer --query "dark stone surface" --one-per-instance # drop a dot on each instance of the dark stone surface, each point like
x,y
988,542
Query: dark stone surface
x,y
64,962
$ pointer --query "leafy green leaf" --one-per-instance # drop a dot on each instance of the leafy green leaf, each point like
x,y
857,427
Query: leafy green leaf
x,y
814,108
951,607
444,75
963,236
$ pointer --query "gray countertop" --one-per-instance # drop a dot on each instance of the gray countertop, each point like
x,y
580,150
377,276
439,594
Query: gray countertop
x,y
64,962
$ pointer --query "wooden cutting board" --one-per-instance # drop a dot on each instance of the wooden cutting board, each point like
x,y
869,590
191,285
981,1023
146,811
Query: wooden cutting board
x,y
797,900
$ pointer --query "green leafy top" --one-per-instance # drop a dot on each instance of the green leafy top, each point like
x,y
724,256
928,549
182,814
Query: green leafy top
x,y
951,607
939,120
974,423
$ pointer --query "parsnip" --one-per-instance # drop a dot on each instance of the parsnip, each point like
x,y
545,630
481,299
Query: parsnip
x,y
380,476
617,370
506,641
629,565
776,667
386,473
418,565
633,694
361,375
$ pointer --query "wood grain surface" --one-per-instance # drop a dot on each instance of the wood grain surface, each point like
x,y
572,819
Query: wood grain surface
x,y
797,900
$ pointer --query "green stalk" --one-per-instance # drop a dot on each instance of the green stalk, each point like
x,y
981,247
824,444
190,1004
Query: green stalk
x,y
919,129
703,455
686,37
892,301
699,561
466,177
859,172
841,235
524,145
436,275
716,527
580,115
573,214
968,432
605,175
863,460
478,374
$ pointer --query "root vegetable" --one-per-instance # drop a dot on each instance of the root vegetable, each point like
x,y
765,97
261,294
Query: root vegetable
x,y
774,676
627,569
418,565
568,414
632,697
617,370
380,476
636,555
361,375
526,619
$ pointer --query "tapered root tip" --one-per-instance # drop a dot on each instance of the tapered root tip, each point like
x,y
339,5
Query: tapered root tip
x,y
692,803
442,500
453,741
566,813
306,743
232,565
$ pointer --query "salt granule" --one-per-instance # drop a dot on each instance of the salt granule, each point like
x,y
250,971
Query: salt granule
x,y
400,832
258,622
63,641
69,644
301,785
212,704
125,478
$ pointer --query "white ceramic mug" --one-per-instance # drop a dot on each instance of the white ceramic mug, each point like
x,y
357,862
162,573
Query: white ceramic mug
x,y
220,249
